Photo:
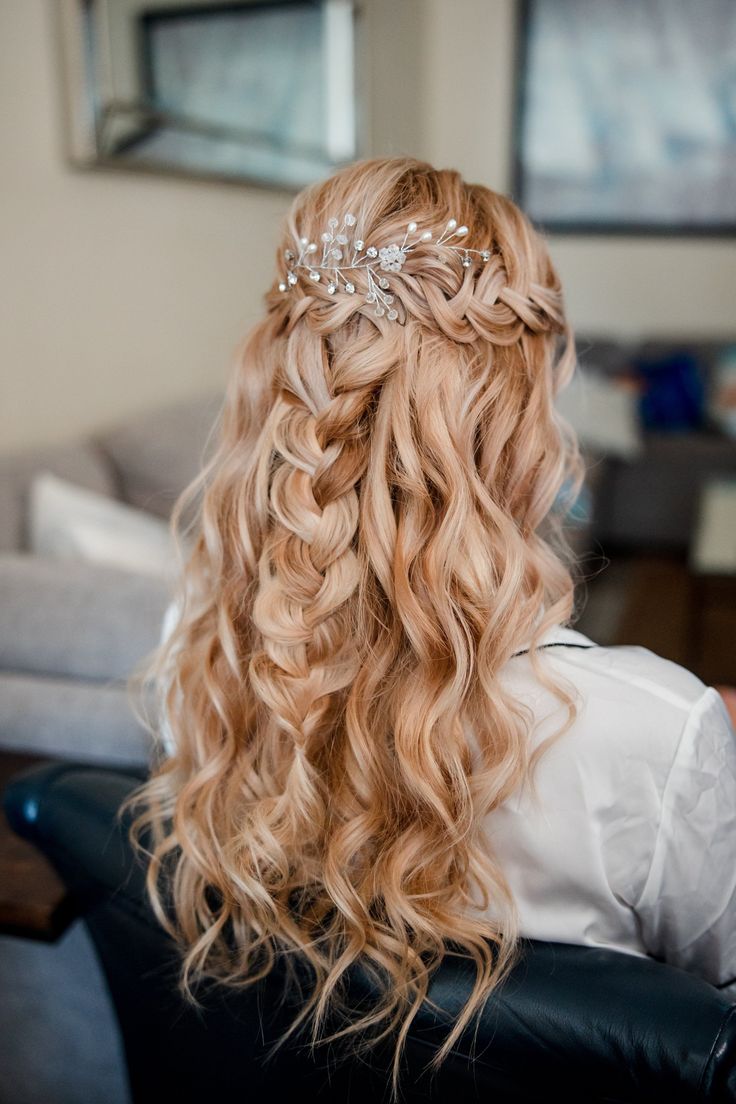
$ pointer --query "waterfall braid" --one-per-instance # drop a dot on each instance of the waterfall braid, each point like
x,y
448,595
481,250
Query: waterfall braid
x,y
376,534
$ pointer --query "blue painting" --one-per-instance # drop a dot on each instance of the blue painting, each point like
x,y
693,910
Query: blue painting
x,y
627,114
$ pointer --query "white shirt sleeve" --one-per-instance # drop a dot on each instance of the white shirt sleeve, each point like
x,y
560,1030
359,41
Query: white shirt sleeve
x,y
687,908
170,619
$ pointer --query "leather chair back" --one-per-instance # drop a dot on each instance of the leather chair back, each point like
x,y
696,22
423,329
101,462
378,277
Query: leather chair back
x,y
578,1024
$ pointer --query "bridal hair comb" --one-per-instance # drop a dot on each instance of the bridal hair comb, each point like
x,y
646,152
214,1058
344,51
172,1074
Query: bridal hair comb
x,y
343,251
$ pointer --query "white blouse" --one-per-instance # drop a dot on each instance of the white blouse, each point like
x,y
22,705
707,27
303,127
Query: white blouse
x,y
631,842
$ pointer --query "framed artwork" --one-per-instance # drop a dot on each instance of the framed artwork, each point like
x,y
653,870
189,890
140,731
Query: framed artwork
x,y
626,115
255,90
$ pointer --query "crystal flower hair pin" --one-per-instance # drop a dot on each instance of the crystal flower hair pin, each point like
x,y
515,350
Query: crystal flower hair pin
x,y
343,251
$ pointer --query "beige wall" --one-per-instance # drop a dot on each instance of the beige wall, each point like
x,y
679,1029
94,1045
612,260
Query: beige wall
x,y
118,291
122,291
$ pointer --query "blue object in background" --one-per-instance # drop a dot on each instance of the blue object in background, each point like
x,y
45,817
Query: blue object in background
x,y
673,392
576,513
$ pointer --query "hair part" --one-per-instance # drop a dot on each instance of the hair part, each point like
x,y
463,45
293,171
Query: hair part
x,y
376,534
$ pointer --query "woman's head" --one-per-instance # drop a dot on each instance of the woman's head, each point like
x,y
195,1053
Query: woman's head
x,y
378,532
380,199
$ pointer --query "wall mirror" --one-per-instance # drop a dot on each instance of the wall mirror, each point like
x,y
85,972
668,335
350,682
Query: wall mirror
x,y
262,91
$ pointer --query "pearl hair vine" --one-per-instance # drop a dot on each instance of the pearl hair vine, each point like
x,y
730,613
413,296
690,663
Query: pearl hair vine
x,y
344,251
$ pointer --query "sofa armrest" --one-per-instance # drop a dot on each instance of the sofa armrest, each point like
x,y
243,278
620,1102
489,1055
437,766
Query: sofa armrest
x,y
77,620
72,719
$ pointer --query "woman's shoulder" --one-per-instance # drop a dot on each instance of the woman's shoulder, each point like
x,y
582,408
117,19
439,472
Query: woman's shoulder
x,y
629,670
633,705
638,715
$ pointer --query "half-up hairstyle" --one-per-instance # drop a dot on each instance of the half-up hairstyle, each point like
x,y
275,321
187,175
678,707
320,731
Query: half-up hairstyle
x,y
377,533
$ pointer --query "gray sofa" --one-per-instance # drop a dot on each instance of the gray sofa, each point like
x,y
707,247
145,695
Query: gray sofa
x,y
70,634
72,631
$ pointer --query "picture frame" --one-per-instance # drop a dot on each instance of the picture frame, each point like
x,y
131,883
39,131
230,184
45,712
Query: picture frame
x,y
625,116
254,91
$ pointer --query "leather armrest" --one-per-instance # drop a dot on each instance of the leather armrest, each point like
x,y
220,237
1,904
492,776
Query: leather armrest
x,y
70,811
586,1024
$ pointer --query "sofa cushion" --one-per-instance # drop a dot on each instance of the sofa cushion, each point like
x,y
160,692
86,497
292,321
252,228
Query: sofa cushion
x,y
156,455
80,620
82,464
69,719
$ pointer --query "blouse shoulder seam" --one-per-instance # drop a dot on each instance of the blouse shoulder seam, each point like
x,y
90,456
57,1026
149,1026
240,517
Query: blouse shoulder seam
x,y
642,681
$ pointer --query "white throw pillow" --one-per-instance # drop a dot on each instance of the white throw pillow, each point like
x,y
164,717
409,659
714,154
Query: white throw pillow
x,y
67,521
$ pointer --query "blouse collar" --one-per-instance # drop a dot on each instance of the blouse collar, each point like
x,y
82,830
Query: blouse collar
x,y
559,634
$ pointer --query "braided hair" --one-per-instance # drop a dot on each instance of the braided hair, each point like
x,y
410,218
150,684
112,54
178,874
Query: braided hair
x,y
376,534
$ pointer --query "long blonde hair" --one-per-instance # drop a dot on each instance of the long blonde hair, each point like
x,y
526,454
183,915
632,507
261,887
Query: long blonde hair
x,y
377,532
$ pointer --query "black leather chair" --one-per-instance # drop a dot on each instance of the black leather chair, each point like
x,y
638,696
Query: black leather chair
x,y
572,1023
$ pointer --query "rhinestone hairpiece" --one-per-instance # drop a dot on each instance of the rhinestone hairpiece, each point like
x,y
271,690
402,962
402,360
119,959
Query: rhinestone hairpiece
x,y
344,251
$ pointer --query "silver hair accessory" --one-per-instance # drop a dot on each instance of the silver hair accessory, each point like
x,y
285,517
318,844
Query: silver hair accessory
x,y
344,251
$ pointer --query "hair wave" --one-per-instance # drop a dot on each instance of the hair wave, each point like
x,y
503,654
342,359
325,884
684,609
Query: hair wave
x,y
376,533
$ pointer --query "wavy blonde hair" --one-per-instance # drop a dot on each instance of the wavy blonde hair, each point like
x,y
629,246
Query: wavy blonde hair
x,y
375,535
